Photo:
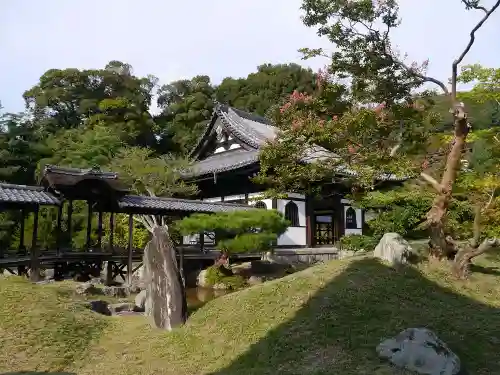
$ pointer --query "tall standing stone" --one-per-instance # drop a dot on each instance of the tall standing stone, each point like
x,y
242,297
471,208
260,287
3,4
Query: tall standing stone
x,y
165,295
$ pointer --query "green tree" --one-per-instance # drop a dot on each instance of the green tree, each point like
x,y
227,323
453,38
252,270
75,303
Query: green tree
x,y
238,231
186,107
387,129
112,97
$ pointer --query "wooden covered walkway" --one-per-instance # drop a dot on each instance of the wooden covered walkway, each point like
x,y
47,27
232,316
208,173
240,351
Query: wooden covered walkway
x,y
103,193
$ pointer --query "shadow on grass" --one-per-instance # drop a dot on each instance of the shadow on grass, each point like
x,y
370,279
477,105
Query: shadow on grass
x,y
337,331
38,373
485,270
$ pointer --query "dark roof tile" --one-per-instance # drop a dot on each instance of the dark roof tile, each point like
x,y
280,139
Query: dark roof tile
x,y
22,194
174,204
224,161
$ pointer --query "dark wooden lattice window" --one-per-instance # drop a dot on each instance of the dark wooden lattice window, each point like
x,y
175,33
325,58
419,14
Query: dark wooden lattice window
x,y
292,213
350,219
260,204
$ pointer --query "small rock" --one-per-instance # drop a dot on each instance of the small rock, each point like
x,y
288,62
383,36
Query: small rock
x,y
393,249
133,288
421,351
49,274
121,307
87,289
116,291
201,280
254,280
100,307
140,300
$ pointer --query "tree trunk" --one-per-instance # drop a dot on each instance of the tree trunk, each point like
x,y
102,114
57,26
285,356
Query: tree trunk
x,y
463,259
441,246
165,295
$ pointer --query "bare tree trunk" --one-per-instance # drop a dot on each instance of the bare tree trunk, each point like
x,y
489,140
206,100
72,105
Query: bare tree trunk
x,y
439,243
463,259
440,246
165,294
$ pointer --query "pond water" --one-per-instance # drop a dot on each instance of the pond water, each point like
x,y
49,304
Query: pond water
x,y
198,296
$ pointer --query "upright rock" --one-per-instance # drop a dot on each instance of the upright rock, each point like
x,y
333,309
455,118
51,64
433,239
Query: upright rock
x,y
421,351
165,298
393,249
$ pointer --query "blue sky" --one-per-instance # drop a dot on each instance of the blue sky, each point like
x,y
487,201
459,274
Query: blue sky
x,y
175,39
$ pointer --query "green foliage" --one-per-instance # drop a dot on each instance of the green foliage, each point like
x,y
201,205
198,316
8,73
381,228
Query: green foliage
x,y
404,210
358,242
150,175
238,231
219,275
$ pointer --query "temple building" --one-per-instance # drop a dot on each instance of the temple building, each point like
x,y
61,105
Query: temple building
x,y
227,157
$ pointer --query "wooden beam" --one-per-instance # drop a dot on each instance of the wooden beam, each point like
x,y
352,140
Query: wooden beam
x,y
130,243
35,261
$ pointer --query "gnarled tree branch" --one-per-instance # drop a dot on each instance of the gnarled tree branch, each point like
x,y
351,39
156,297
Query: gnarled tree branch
x,y
467,49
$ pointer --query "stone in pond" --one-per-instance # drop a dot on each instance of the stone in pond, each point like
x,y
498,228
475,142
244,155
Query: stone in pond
x,y
421,351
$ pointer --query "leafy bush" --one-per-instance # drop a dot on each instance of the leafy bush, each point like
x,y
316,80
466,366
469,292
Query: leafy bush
x,y
220,275
238,231
403,210
359,242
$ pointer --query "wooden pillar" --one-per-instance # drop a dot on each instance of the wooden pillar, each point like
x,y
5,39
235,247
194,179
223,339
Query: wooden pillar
x,y
111,232
69,223
309,222
35,261
59,229
21,248
110,264
89,226
274,206
130,244
99,230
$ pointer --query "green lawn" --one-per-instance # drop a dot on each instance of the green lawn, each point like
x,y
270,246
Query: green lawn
x,y
324,320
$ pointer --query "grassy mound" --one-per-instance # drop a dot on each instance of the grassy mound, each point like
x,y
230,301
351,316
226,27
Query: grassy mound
x,y
324,320
42,328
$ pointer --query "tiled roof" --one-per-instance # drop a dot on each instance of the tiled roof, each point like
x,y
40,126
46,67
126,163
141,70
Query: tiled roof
x,y
254,131
224,161
22,194
173,204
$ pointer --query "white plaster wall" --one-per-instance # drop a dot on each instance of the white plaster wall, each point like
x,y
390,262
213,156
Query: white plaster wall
x,y
222,149
294,236
359,223
301,206
231,198
186,240
254,197
211,200
295,195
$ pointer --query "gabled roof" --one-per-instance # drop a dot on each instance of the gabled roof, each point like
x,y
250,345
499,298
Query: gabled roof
x,y
57,177
19,195
251,130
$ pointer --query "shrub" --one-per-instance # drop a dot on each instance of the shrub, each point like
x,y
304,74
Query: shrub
x,y
238,231
220,275
358,242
